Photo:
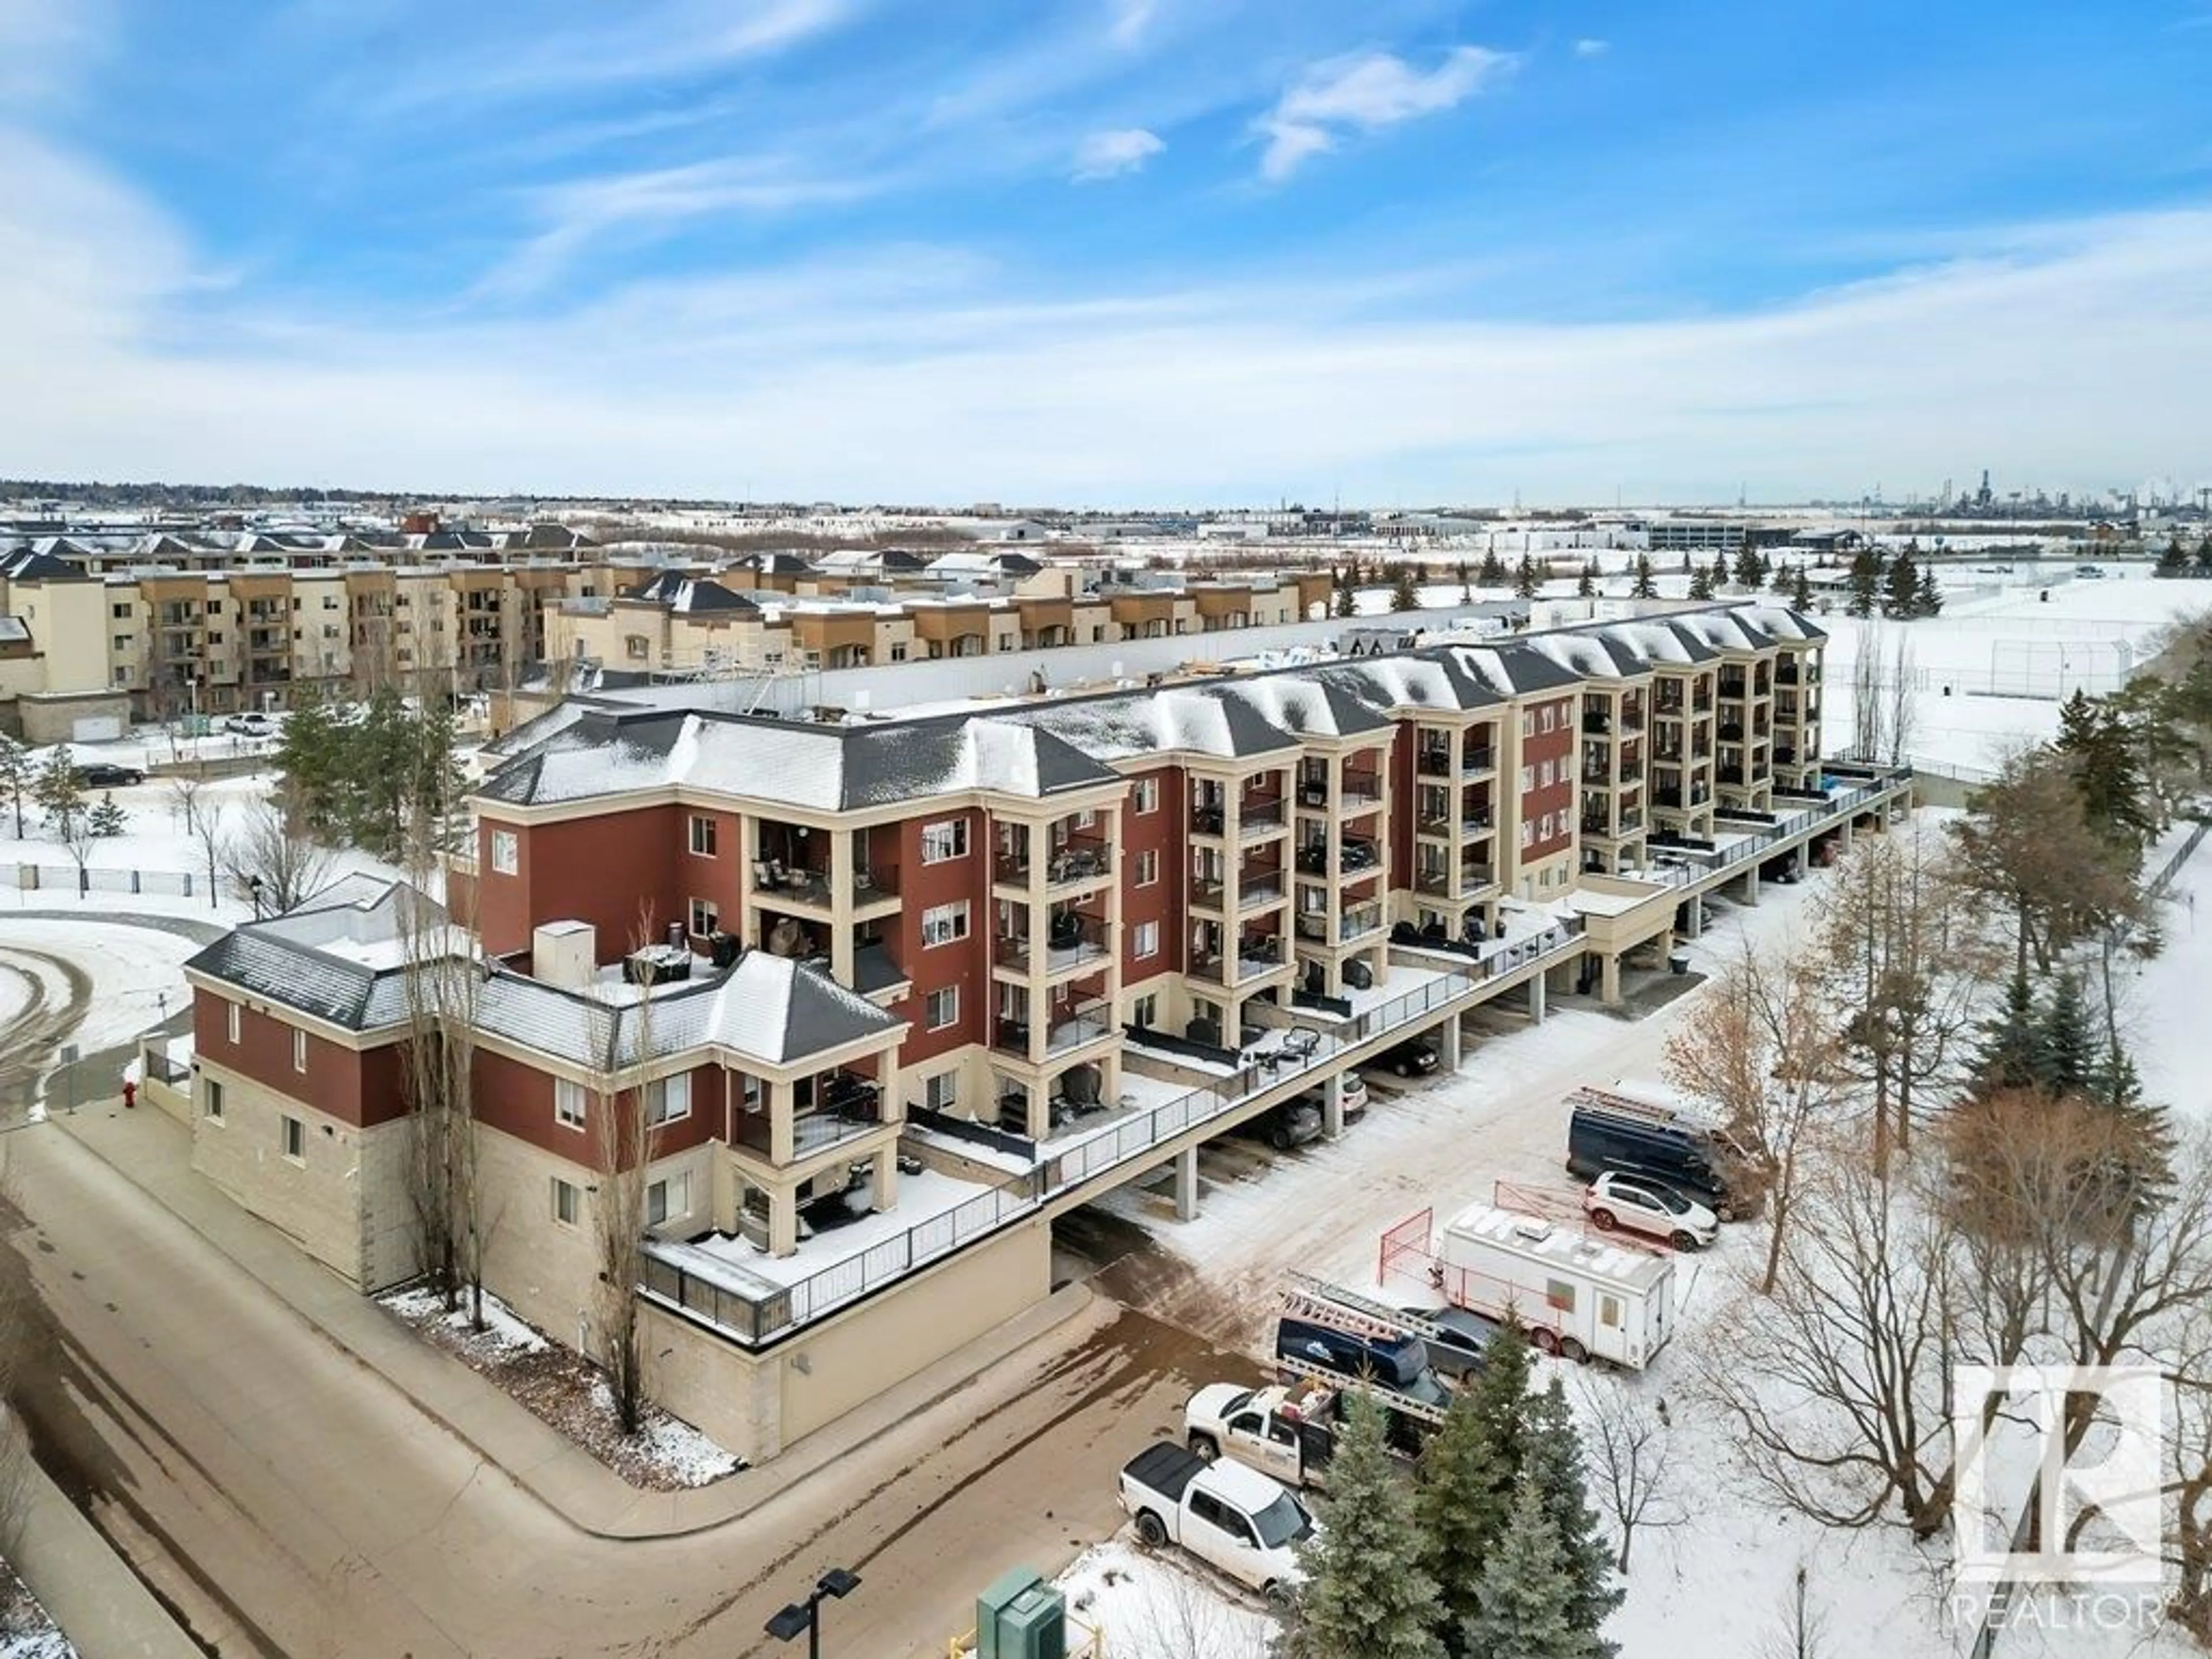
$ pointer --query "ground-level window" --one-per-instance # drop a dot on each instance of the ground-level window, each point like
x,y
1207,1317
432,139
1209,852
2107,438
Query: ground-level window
x,y
568,1202
294,1134
1145,1010
942,1008
506,852
705,918
667,1198
942,1091
568,1104
211,1098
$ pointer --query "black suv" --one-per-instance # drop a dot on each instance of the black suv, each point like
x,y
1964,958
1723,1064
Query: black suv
x,y
101,775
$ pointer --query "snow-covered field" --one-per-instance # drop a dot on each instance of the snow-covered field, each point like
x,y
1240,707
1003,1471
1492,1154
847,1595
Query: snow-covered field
x,y
132,971
1155,1606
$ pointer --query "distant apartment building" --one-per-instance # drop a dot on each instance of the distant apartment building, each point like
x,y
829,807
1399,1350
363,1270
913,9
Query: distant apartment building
x,y
892,993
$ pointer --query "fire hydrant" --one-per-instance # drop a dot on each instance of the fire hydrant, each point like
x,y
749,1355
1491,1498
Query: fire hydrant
x,y
130,1093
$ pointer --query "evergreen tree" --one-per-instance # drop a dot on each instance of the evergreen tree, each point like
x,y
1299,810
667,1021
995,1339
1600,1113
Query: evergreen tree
x,y
1784,576
56,789
1645,586
1701,584
1746,566
1930,601
2006,1059
1865,583
15,772
2065,1058
107,818
1901,587
2205,557
308,760
1766,566
2108,771
1493,573
1586,583
2172,561
1801,589
1528,1590
1348,600
1717,578
1403,595
1689,565
1365,1591
1554,1455
1526,579
1468,1471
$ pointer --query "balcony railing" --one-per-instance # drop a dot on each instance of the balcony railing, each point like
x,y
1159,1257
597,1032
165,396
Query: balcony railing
x,y
1087,1024
1477,760
1206,892
1257,893
1454,883
777,883
1361,790
1069,943
1434,763
1255,818
1076,862
1207,818
1355,920
1597,725
1632,717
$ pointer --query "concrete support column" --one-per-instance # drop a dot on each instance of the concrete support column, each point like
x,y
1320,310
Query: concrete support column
x,y
883,1180
1750,883
1536,1000
783,1221
1186,1185
1843,834
1694,913
1608,979
843,867
1332,1106
1448,1045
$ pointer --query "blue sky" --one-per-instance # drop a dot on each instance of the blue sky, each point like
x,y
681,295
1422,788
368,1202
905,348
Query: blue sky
x,y
1108,252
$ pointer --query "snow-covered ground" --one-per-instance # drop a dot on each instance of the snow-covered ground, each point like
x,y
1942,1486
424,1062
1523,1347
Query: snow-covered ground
x,y
136,973
1148,1604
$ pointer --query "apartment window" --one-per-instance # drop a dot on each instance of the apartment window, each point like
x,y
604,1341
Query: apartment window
x,y
1148,867
670,1196
231,1021
942,1092
568,1104
299,1050
1145,1010
122,642
1146,940
1528,778
898,651
120,612
1527,832
942,1008
946,839
668,1101
705,918
215,638
506,852
1006,642
294,1134
1148,794
1528,722
942,924
568,1202
211,1099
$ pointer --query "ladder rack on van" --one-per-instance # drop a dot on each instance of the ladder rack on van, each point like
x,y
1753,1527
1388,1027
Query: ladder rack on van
x,y
1650,1111
1324,1303
1344,1383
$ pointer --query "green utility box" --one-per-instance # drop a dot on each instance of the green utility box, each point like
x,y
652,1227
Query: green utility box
x,y
1021,1617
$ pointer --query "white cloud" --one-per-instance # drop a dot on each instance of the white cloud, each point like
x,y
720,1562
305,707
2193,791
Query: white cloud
x,y
1131,18
1109,154
1366,92
2072,355
1590,46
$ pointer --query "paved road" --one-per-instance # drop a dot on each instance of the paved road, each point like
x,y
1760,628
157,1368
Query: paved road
x,y
287,1502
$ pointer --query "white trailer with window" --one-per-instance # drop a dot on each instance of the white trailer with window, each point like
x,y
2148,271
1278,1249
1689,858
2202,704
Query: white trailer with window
x,y
1579,1296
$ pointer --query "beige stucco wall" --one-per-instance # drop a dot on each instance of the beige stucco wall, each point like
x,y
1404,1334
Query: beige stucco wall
x,y
345,1201
759,1404
544,1271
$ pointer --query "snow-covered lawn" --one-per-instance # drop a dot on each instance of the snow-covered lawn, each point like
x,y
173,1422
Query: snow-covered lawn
x,y
565,1391
1152,1605
134,973
2162,1000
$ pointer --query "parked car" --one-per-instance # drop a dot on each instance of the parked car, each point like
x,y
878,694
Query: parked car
x,y
1355,1097
1288,1434
101,775
1233,1518
1649,1206
1398,1364
1416,1058
2087,573
1293,1123
250,726
1456,1351
1651,1140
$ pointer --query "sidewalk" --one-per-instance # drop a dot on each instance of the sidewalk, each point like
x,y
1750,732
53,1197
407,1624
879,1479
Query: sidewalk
x,y
153,1152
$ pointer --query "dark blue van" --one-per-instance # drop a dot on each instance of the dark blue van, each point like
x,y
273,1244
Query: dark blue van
x,y
1399,1364
1651,1142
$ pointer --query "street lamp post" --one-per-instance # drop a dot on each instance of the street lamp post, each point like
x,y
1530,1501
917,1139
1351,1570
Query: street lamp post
x,y
806,1615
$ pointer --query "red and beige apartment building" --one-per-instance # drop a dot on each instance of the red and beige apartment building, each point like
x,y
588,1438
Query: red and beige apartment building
x,y
892,993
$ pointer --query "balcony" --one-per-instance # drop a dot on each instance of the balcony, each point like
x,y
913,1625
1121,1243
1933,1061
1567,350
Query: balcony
x,y
1731,731
1597,725
1087,1023
1207,818
1361,790
1073,940
1356,856
1258,954
1786,673
806,888
1206,892
1731,775
1258,817
850,1106
1477,760
1074,864
1632,717
1434,763
1257,892
1355,922
1467,879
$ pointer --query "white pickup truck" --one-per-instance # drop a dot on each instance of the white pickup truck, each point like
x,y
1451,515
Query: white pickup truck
x,y
1288,1434
1234,1519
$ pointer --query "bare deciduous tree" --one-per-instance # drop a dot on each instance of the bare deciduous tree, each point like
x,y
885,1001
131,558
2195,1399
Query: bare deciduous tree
x,y
184,799
2190,1476
1903,712
2027,846
1801,1629
1630,1455
272,862
211,829
443,984
1764,1049
625,1143
1868,707
1903,956
1836,1384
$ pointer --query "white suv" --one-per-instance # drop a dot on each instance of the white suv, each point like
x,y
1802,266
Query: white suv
x,y
1646,1206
